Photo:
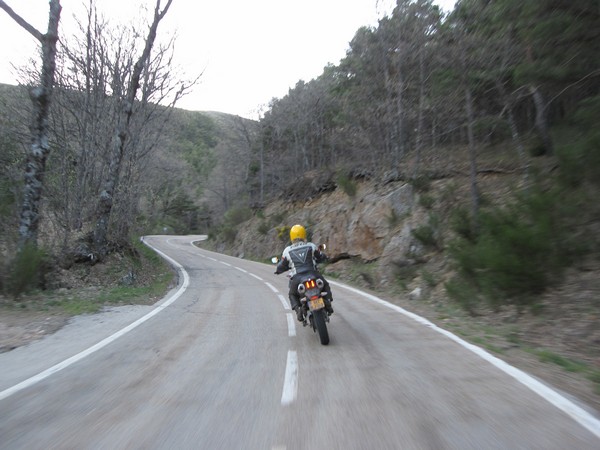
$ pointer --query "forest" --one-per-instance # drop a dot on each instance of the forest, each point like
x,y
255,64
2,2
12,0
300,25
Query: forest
x,y
114,158
490,72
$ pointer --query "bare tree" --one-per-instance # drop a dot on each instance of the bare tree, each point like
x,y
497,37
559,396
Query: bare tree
x,y
121,132
41,96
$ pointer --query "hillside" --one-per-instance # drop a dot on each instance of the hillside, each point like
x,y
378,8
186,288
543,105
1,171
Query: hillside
x,y
370,228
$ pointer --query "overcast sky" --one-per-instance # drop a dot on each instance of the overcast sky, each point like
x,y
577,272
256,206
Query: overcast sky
x,y
248,51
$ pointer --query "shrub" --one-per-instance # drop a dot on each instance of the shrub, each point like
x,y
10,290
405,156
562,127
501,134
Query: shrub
x,y
425,235
347,184
426,201
283,233
428,278
228,234
26,272
263,228
578,150
7,198
462,224
492,129
277,218
421,183
429,234
236,215
517,252
463,293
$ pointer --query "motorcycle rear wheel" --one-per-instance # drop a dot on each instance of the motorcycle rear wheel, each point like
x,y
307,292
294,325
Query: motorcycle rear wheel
x,y
321,326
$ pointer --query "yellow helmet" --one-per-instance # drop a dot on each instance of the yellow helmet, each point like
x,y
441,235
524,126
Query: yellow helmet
x,y
297,232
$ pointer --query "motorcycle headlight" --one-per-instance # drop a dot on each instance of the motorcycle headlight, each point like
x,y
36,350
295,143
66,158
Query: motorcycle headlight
x,y
320,283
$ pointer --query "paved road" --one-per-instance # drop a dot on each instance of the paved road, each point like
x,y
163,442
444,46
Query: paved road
x,y
220,364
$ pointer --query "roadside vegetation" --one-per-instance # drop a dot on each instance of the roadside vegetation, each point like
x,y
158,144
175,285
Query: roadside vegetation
x,y
138,277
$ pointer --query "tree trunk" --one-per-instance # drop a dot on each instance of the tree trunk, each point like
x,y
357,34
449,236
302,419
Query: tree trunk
x,y
41,96
105,203
420,118
472,156
541,122
514,131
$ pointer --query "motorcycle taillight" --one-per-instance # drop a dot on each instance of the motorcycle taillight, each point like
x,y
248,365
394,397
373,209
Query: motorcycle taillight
x,y
310,284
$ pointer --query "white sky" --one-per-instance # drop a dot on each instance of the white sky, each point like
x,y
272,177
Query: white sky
x,y
249,51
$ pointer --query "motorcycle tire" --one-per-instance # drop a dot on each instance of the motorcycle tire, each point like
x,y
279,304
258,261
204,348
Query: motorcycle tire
x,y
321,326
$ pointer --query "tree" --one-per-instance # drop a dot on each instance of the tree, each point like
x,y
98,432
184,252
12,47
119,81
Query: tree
x,y
41,97
127,96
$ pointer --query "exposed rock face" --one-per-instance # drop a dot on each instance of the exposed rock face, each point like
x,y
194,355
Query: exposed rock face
x,y
374,225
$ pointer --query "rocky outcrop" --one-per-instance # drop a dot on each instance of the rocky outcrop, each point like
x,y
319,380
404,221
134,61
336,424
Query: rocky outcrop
x,y
374,225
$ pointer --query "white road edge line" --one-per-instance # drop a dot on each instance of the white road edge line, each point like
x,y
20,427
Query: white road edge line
x,y
577,413
291,325
285,302
290,383
94,348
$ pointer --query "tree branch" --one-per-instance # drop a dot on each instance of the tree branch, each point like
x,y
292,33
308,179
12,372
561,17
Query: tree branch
x,y
17,18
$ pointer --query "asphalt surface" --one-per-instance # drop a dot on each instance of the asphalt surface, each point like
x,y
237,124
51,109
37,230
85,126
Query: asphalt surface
x,y
221,363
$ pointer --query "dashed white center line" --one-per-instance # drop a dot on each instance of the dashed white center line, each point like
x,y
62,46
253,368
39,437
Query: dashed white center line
x,y
291,325
290,383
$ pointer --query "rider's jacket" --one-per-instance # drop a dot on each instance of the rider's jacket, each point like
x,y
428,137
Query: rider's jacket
x,y
300,257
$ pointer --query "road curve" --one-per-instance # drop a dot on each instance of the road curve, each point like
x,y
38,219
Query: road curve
x,y
220,363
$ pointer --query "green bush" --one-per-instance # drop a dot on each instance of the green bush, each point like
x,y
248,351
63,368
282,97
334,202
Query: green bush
x,y
26,272
263,228
429,234
426,201
536,148
7,198
276,219
236,215
228,234
428,278
491,129
517,252
579,152
425,235
571,165
347,184
463,293
461,222
421,183
283,233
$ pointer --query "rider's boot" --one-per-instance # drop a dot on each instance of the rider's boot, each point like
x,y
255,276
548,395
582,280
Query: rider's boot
x,y
299,314
328,306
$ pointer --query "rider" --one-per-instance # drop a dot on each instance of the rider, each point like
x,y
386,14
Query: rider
x,y
301,258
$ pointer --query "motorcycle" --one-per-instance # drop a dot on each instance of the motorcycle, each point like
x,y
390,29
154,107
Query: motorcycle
x,y
312,302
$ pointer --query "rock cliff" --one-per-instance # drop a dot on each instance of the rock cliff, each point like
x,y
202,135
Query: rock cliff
x,y
373,227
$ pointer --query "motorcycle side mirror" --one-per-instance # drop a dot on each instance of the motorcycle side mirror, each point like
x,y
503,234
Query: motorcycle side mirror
x,y
322,247
274,259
